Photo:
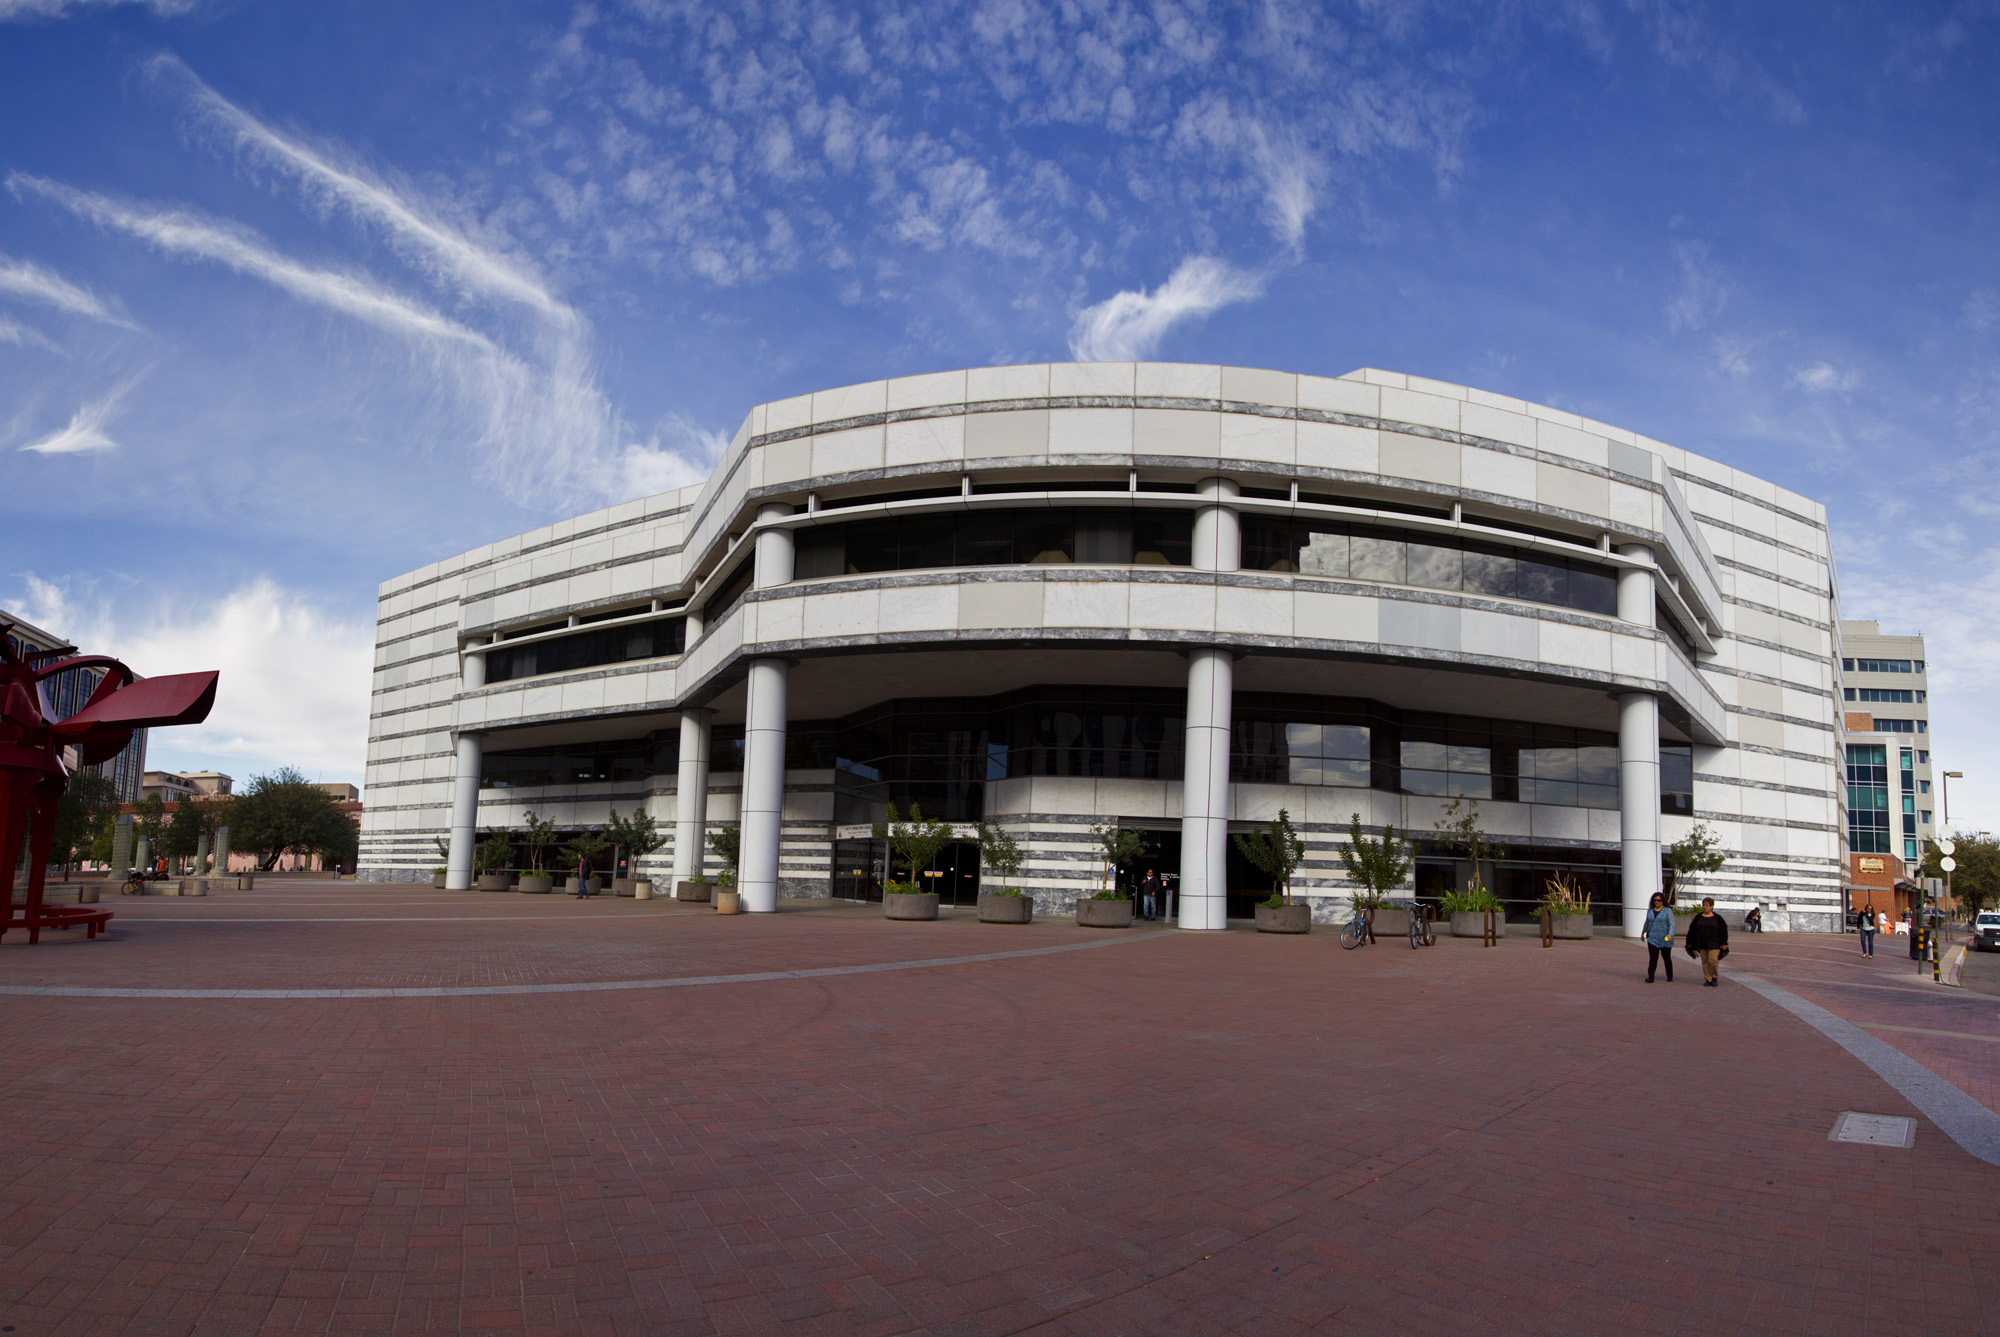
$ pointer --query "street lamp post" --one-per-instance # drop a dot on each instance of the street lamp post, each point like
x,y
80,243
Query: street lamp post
x,y
1946,849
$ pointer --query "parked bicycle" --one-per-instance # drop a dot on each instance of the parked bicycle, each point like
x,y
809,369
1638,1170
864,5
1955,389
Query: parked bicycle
x,y
1422,934
135,884
1358,930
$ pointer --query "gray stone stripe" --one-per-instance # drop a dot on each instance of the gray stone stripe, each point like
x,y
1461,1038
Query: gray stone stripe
x,y
600,986
1957,1115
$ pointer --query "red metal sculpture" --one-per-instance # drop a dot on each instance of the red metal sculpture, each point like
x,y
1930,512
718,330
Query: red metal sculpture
x,y
39,753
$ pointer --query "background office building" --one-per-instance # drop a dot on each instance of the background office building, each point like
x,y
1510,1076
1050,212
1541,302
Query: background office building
x,y
1892,807
1174,597
67,692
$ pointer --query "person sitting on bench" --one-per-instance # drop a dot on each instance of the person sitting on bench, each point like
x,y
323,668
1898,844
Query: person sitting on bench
x,y
1754,921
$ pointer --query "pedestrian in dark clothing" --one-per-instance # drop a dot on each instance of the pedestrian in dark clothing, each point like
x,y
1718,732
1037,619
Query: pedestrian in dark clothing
x,y
1659,934
582,876
1864,924
1149,896
1708,939
1754,921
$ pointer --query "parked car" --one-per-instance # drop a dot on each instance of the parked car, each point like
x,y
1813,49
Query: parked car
x,y
1986,931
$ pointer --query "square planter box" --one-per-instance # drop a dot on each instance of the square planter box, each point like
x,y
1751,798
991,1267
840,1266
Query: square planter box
x,y
1006,909
1472,924
624,886
1285,919
910,905
693,891
437,880
1574,926
1104,914
1392,921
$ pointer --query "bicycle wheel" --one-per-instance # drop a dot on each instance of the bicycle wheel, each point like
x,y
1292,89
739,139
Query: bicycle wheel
x,y
1351,934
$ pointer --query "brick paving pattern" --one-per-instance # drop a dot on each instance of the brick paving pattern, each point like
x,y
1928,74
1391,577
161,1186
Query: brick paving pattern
x,y
1186,1134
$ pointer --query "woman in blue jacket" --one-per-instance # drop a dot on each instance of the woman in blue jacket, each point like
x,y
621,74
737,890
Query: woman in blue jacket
x,y
1659,934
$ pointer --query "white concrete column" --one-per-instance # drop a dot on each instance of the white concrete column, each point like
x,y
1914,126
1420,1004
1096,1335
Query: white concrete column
x,y
1218,530
1205,790
465,788
691,796
1638,760
764,739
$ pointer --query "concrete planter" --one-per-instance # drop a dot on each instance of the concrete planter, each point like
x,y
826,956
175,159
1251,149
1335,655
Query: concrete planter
x,y
1104,914
642,889
194,886
87,894
693,891
910,905
624,886
437,881
536,884
495,882
1392,921
1574,926
1286,919
729,902
248,882
1006,909
1472,923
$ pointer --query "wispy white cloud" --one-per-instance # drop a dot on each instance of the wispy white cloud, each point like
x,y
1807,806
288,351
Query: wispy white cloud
x,y
1702,292
1823,378
85,433
294,686
16,10
25,336
1290,193
474,269
185,234
1129,325
30,282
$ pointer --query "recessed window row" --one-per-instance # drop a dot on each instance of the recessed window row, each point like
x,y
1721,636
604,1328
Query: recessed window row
x,y
588,649
1882,665
1903,696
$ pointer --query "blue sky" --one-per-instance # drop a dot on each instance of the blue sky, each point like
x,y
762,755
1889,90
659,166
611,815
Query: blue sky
x,y
296,298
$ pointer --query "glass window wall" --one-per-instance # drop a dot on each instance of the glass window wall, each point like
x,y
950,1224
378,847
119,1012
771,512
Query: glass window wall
x,y
1396,557
1055,536
588,649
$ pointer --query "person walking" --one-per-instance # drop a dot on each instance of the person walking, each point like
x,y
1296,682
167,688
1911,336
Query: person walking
x,y
1864,924
1149,896
1659,934
582,876
1708,939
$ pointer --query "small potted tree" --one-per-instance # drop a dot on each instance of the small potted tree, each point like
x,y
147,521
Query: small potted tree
x,y
635,837
914,844
1568,908
540,839
1276,851
582,851
1693,855
1004,904
1467,909
727,844
1377,867
489,861
1111,905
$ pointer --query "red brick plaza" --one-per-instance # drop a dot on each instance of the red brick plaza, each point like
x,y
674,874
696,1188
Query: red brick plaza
x,y
1155,1132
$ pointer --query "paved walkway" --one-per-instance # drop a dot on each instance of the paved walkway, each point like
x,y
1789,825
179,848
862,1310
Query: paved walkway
x,y
1174,1133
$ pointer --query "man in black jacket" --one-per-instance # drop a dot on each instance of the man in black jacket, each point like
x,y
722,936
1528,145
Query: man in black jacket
x,y
1708,938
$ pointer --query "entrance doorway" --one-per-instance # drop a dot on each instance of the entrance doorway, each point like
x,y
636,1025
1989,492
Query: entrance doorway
x,y
859,865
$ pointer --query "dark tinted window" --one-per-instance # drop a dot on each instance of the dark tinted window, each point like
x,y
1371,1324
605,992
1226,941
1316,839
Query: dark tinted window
x,y
588,649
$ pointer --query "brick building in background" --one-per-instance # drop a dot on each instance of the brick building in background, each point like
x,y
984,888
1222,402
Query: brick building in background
x,y
1892,804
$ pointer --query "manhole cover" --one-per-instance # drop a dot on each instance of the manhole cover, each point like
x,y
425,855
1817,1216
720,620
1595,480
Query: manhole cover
x,y
1875,1130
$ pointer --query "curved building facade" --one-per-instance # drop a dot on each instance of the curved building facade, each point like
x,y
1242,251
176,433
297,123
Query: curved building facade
x,y
1176,597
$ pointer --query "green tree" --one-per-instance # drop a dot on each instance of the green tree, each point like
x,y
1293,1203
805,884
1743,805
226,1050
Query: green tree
x,y
192,818
84,801
285,813
1121,847
1975,883
726,844
915,843
1003,854
1693,854
1378,865
585,846
540,839
1275,851
1465,832
635,836
491,854
149,820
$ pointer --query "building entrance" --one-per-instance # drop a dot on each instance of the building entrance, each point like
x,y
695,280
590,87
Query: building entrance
x,y
859,867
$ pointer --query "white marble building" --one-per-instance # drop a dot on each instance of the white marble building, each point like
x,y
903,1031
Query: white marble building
x,y
1179,597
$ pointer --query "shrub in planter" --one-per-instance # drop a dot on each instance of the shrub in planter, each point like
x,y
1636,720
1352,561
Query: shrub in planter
x,y
914,844
1467,910
1377,867
489,862
1568,908
1006,906
694,889
1000,852
536,884
632,839
437,878
1277,851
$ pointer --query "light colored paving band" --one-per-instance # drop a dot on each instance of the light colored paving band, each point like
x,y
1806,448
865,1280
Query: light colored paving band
x,y
1960,1117
396,919
598,986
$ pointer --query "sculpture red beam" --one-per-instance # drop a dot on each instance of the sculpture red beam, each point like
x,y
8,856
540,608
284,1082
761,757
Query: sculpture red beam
x,y
34,771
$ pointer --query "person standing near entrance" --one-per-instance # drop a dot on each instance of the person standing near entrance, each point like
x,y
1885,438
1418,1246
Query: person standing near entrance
x,y
1659,935
1708,939
1149,896
582,876
1864,923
